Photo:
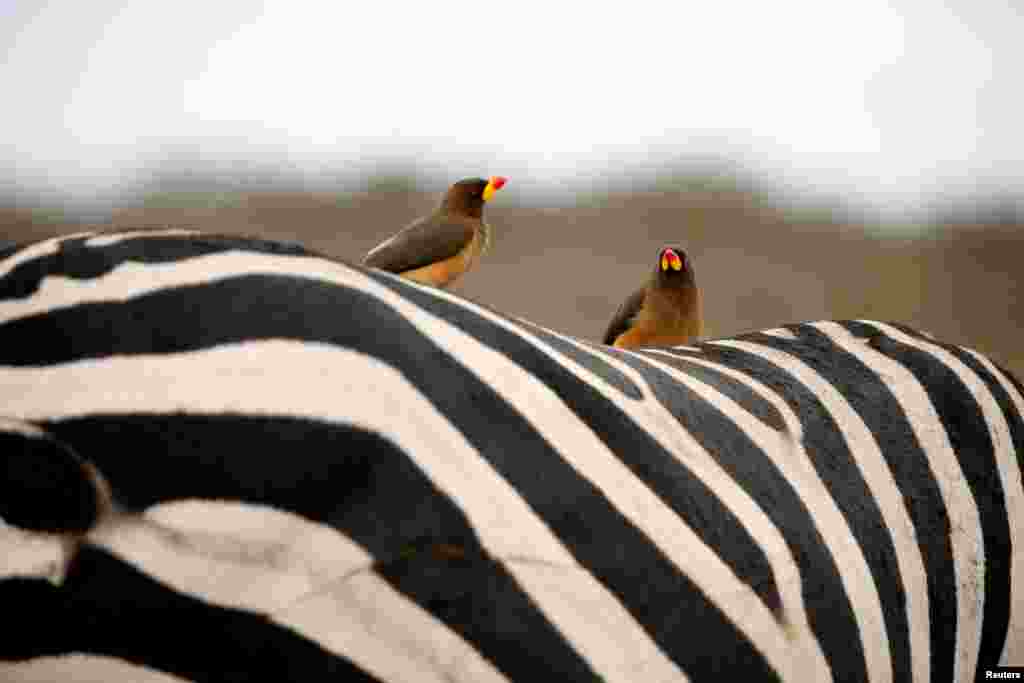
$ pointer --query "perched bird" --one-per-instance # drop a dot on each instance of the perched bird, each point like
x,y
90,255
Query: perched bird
x,y
438,248
664,312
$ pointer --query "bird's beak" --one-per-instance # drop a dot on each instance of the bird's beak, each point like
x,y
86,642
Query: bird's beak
x,y
670,259
493,185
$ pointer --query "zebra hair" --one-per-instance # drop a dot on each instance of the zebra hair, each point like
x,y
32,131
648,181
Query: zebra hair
x,y
227,457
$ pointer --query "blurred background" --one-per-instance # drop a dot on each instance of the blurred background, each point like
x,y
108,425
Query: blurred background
x,y
815,159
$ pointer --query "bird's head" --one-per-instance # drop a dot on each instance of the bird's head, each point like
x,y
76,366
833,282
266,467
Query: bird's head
x,y
467,197
673,266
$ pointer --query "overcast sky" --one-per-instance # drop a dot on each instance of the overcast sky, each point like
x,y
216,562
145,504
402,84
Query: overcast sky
x,y
894,101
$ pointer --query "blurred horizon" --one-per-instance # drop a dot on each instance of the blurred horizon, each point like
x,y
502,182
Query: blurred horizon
x,y
898,113
200,180
816,160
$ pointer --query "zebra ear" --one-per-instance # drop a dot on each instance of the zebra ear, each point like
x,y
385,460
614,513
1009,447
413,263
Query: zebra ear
x,y
44,485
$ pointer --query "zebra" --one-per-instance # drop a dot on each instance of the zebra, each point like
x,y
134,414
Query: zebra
x,y
227,457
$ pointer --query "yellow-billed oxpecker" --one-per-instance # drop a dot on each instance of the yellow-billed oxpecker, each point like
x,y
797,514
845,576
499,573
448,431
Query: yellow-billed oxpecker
x,y
438,248
664,312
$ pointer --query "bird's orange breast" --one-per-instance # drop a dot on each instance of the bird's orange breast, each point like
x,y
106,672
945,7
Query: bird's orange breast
x,y
637,337
651,331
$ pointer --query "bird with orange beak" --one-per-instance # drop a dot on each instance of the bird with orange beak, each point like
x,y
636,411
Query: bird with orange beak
x,y
439,248
664,312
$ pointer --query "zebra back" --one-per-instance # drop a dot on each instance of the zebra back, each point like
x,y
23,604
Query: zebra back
x,y
227,457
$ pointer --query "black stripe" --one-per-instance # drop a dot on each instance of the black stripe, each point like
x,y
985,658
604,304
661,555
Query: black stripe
x,y
45,626
107,607
745,462
255,307
752,402
193,317
840,472
829,611
591,361
877,406
1013,417
619,555
353,480
1020,392
44,485
998,542
75,259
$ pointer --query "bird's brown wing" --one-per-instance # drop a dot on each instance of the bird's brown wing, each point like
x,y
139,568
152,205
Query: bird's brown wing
x,y
623,319
424,242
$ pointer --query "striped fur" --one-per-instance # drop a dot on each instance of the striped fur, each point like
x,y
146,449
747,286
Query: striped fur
x,y
228,458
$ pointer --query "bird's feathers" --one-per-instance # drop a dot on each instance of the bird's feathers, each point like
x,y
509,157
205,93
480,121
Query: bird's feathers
x,y
424,242
625,316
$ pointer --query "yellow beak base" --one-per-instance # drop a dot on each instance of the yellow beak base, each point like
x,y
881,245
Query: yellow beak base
x,y
671,260
493,185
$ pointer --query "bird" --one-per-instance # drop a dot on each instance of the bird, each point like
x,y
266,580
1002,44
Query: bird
x,y
666,311
439,248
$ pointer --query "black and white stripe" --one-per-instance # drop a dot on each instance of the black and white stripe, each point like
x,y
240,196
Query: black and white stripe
x,y
226,457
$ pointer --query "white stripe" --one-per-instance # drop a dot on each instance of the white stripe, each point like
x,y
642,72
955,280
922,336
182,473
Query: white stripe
x,y
270,558
880,481
387,634
21,428
862,443
794,465
311,380
559,425
1010,476
36,251
793,427
965,527
858,583
592,459
29,554
305,576
798,656
575,442
780,332
134,279
108,239
810,663
79,668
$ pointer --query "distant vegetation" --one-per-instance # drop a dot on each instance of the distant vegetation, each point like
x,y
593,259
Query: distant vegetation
x,y
190,181
764,256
